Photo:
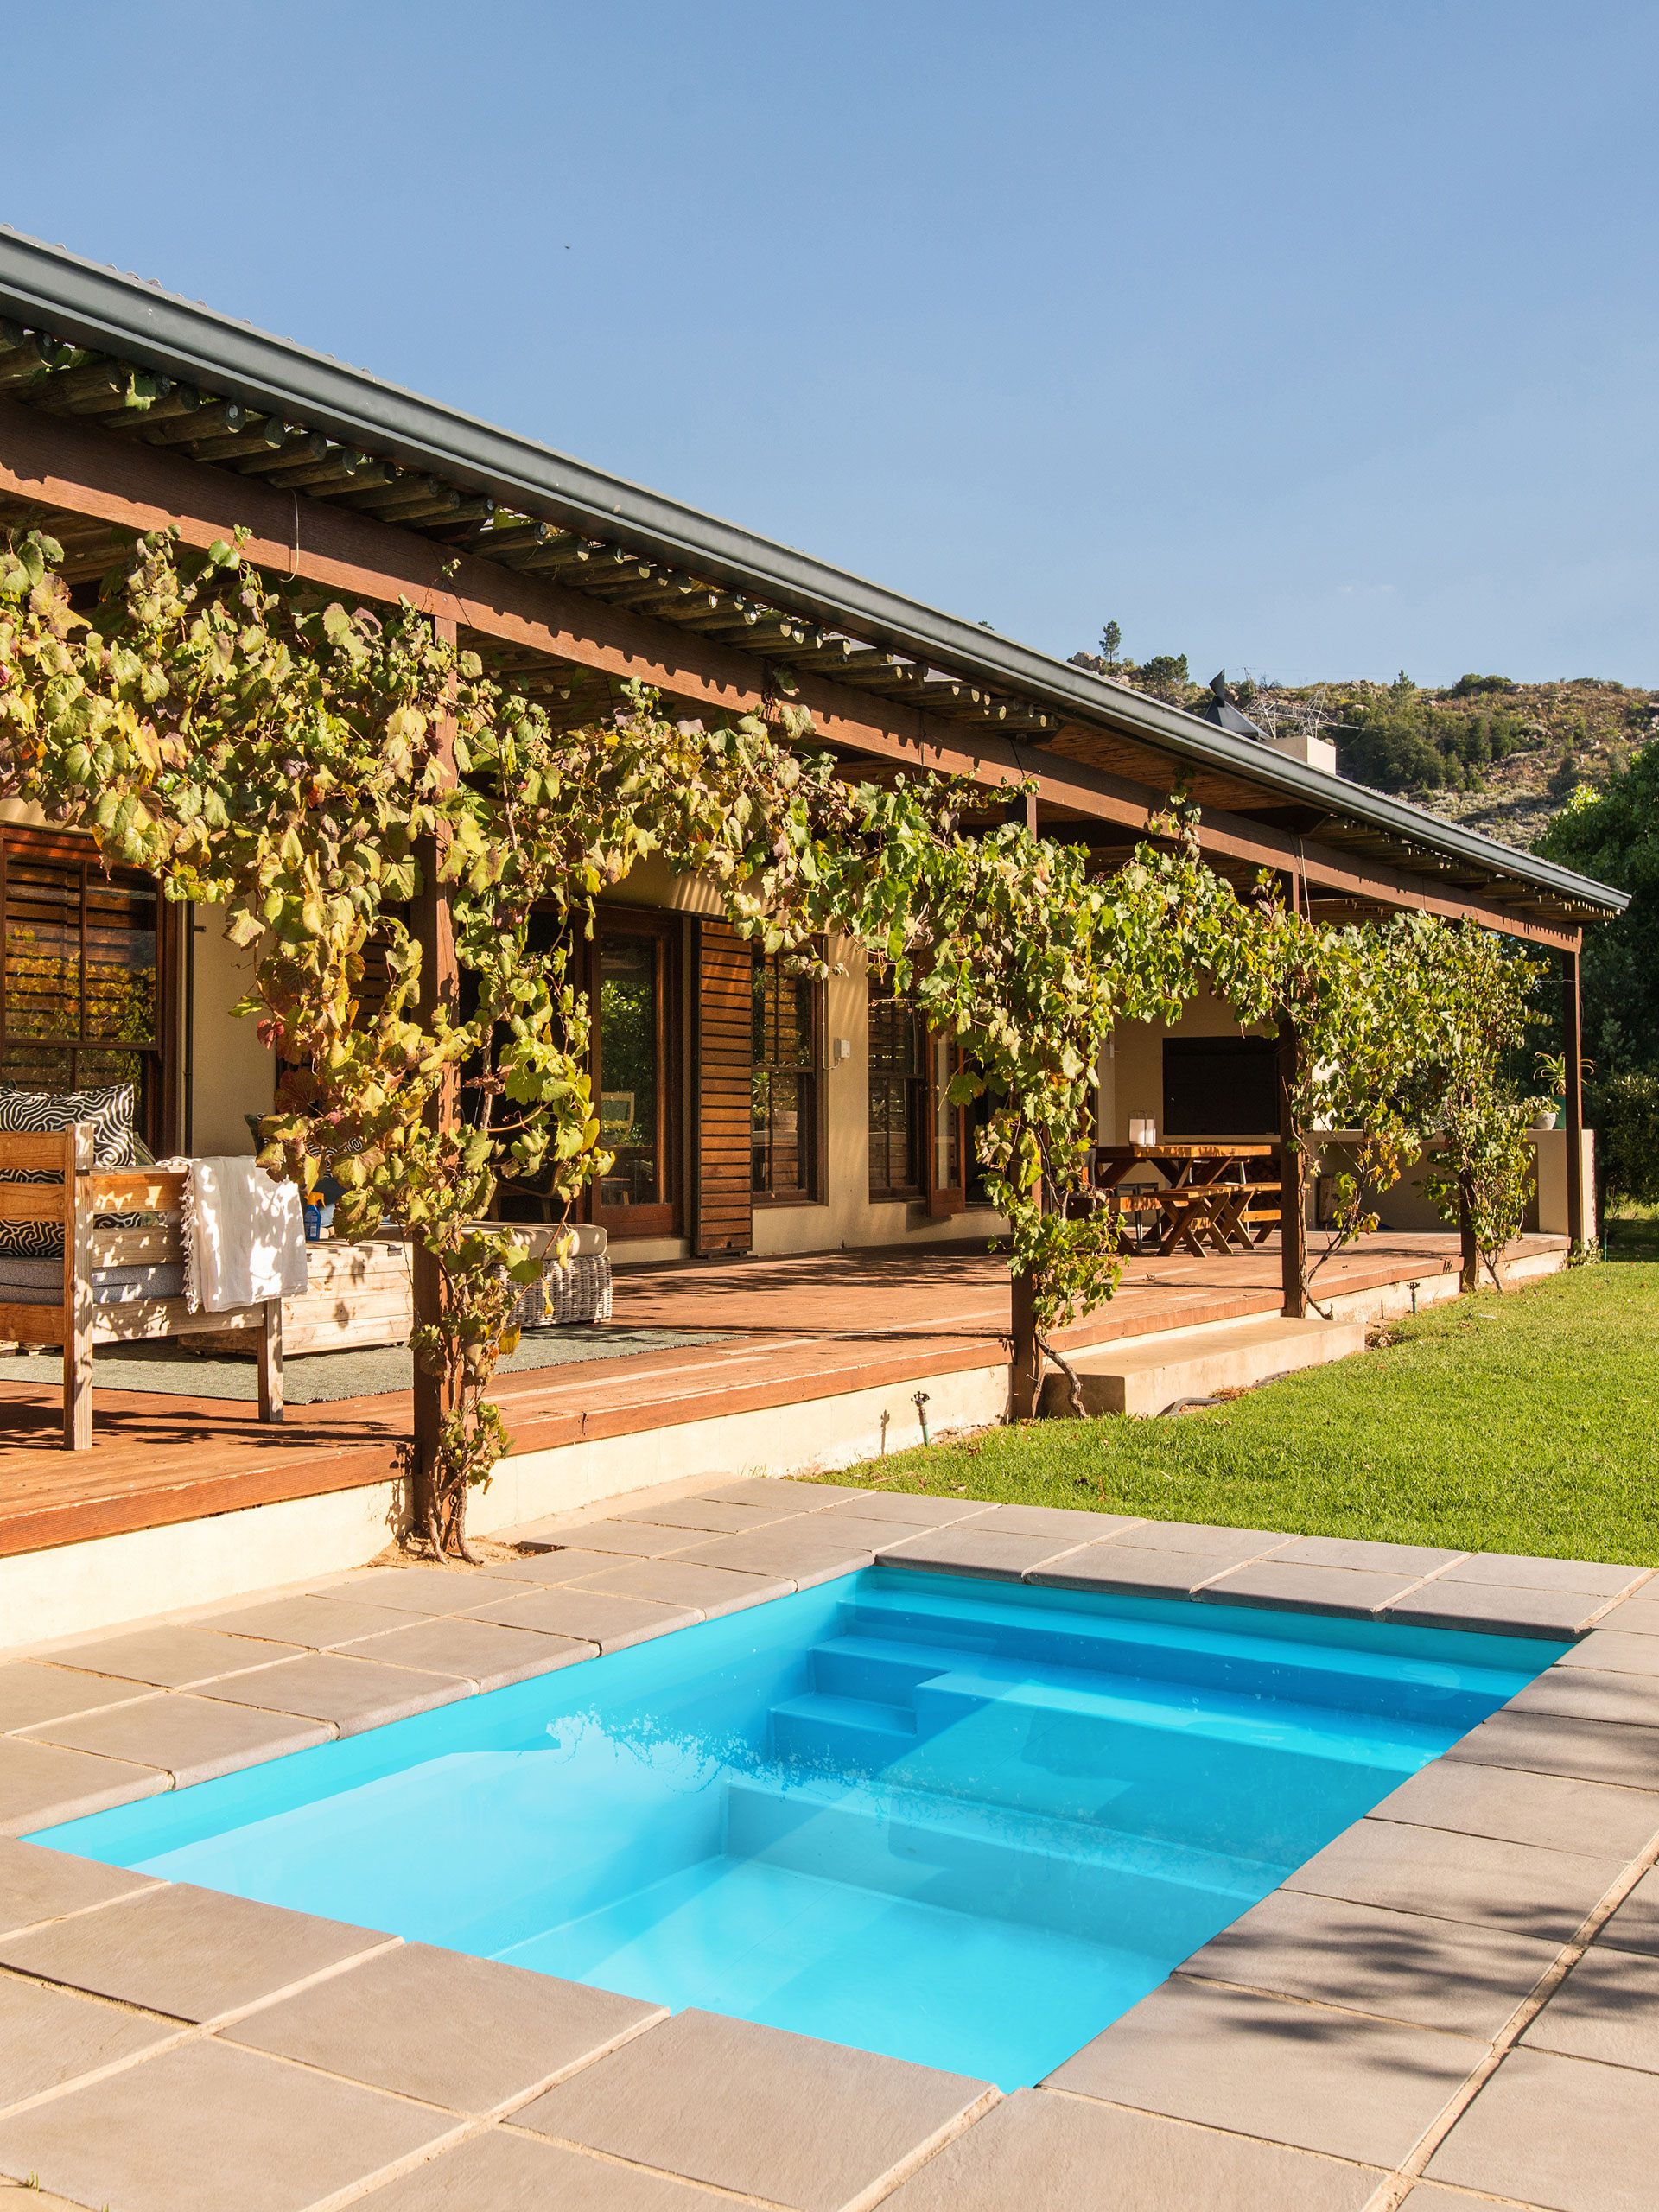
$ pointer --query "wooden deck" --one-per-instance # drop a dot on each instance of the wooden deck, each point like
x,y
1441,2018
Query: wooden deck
x,y
806,1328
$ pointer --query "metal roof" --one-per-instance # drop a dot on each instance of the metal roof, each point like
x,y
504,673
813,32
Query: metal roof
x,y
47,288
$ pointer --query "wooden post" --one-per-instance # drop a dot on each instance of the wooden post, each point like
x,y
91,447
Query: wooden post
x,y
78,1288
1573,1054
1293,1211
434,931
1026,1361
271,1362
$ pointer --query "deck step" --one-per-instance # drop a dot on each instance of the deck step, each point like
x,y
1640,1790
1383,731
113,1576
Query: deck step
x,y
1145,1375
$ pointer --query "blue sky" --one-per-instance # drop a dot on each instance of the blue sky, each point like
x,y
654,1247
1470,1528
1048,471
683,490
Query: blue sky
x,y
1320,339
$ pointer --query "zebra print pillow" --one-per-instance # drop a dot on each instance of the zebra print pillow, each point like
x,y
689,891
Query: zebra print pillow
x,y
109,1110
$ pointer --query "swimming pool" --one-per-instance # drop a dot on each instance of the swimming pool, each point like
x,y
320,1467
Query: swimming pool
x,y
961,1822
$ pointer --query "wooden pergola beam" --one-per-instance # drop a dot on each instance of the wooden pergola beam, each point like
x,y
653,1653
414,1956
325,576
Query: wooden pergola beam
x,y
59,462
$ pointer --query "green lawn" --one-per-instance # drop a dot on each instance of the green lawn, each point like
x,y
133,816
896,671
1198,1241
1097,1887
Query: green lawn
x,y
1524,1423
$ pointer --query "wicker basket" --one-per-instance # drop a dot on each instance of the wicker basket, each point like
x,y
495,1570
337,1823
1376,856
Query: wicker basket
x,y
569,1290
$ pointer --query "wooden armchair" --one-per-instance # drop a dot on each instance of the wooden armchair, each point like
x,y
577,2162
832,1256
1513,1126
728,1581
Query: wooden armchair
x,y
68,1313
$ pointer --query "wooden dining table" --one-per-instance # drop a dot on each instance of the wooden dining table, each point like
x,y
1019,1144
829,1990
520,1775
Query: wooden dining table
x,y
1212,1197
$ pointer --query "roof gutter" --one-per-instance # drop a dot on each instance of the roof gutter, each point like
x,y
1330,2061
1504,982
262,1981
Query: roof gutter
x,y
47,288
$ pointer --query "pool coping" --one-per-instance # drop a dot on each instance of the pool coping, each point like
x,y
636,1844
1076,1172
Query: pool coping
x,y
1247,2069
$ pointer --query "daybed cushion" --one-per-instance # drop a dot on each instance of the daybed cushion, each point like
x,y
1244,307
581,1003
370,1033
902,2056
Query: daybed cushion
x,y
115,1144
40,1283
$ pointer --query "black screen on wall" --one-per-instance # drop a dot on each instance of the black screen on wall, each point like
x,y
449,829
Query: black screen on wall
x,y
1221,1087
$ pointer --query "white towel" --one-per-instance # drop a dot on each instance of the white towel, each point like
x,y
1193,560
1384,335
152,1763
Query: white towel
x,y
244,1237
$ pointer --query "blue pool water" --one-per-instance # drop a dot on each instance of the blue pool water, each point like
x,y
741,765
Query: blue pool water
x,y
963,1823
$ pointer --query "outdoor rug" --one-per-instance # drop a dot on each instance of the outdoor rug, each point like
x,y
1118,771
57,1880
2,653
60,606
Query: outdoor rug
x,y
318,1378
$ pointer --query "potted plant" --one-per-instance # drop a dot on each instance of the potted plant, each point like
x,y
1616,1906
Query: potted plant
x,y
1551,1070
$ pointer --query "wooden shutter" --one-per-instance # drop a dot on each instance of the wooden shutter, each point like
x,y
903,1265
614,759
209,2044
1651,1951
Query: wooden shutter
x,y
725,999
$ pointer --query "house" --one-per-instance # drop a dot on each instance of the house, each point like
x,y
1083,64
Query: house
x,y
748,1112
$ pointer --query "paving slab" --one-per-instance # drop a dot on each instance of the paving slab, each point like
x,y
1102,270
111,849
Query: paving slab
x,y
350,1693
803,1553
32,1690
813,2126
170,1657
915,1506
40,1785
39,2200
504,2171
974,1548
1635,1615
205,2126
469,2034
777,1492
1041,2151
191,1739
1558,2131
1295,2074
710,1590
1549,1810
1111,1566
1589,1751
1606,2009
610,1624
626,1539
316,1623
1399,1966
1610,1651
1578,1692
708,1515
1514,1571
1366,1558
1435,2196
49,2037
1357,1592
1441,1876
1635,1926
545,1569
489,1654
416,1589
1234,1545
195,1955
1082,1526
38,1885
1559,1615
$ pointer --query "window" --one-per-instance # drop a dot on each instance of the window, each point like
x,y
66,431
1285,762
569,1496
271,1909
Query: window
x,y
81,978
898,1093
784,1081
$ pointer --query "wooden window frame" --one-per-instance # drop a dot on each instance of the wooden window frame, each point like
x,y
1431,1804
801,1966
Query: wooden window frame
x,y
159,1101
811,1076
624,1223
916,1091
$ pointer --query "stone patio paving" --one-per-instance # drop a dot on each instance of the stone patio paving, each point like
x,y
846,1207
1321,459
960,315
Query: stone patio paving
x,y
1456,2002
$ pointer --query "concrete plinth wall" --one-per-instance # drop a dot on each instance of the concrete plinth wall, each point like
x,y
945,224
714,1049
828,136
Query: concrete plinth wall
x,y
75,1588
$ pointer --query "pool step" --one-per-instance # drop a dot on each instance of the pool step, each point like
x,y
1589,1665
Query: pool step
x,y
1145,1376
887,1653
1149,1640
1119,1888
822,1730
1230,1772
